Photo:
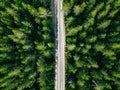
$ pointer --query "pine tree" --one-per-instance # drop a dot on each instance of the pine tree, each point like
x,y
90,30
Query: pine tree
x,y
26,45
93,44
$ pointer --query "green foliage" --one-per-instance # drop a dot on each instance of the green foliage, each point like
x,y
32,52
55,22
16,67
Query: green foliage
x,y
93,45
26,45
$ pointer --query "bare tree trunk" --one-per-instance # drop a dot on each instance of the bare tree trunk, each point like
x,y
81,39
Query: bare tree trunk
x,y
58,21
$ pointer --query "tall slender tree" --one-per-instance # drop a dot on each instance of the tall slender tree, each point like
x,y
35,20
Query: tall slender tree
x,y
26,45
93,44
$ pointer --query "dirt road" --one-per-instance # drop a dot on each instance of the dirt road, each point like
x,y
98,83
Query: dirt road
x,y
58,18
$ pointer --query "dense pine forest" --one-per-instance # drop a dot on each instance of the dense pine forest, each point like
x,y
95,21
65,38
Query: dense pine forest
x,y
92,44
27,45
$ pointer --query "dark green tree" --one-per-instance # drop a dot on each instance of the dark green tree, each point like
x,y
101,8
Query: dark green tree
x,y
26,45
93,44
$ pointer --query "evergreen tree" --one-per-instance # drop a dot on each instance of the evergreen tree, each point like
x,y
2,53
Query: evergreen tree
x,y
93,44
26,45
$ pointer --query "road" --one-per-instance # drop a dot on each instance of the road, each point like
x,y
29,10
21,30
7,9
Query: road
x,y
58,18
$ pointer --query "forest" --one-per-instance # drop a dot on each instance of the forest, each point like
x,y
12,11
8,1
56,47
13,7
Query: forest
x,y
92,44
27,45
